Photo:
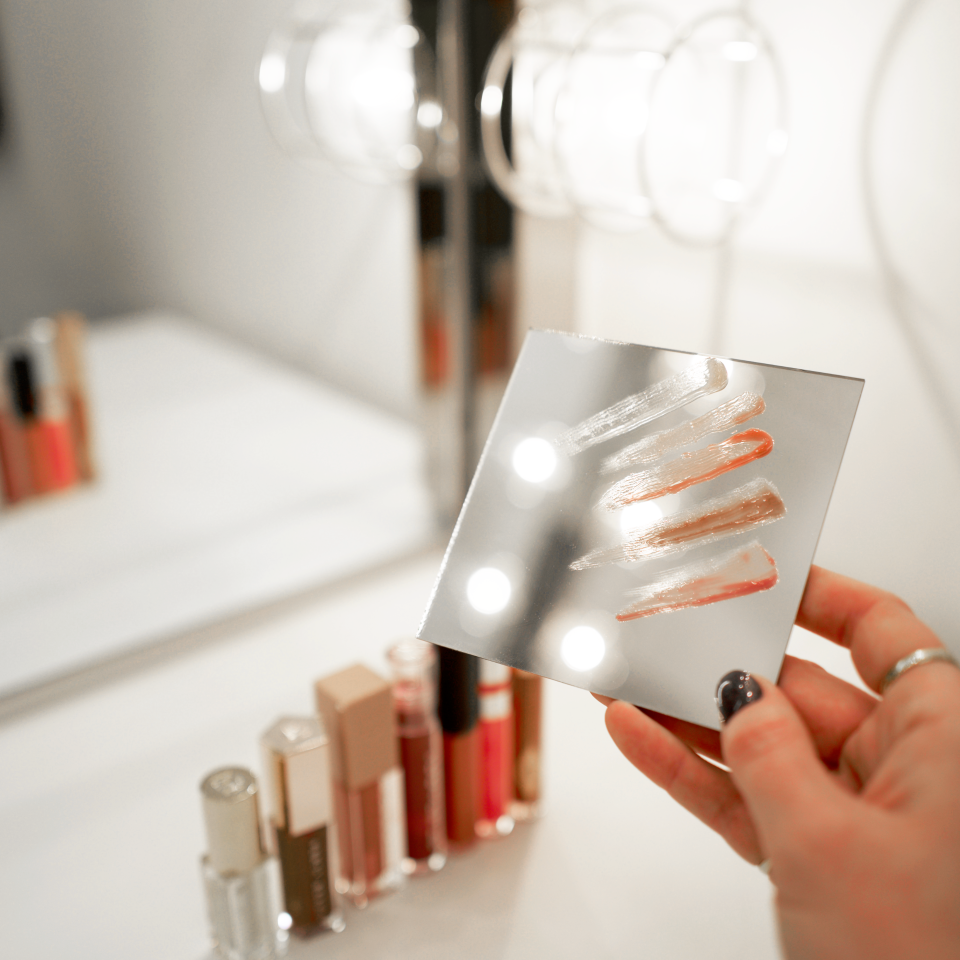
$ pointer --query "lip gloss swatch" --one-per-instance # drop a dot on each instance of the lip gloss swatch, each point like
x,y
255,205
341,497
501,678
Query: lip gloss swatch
x,y
737,573
752,505
704,376
688,469
730,414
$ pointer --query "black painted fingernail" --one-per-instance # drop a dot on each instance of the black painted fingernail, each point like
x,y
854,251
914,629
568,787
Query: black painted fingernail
x,y
735,691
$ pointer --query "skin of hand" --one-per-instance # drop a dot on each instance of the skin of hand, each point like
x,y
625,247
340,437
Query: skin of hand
x,y
853,799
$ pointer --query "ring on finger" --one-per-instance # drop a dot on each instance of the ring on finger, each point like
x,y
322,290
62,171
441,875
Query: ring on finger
x,y
916,659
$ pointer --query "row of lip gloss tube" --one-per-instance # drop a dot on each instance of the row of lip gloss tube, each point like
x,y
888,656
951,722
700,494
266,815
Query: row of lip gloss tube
x,y
44,415
374,788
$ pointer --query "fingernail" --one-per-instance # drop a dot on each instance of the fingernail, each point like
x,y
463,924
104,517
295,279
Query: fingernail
x,y
735,691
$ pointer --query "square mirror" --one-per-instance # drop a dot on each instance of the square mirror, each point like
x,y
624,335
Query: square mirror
x,y
642,520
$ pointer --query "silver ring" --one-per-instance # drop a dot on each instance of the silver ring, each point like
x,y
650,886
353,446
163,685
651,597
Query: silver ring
x,y
915,659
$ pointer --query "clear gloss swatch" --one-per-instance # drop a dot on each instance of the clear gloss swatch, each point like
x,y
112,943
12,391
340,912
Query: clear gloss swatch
x,y
704,376
731,414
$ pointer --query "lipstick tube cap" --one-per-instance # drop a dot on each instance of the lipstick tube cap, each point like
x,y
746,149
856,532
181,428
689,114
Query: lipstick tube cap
x,y
232,817
296,756
458,705
357,706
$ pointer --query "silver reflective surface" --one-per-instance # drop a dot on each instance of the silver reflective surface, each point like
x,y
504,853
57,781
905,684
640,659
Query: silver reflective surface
x,y
506,590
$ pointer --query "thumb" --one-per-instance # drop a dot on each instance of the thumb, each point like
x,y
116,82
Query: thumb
x,y
773,762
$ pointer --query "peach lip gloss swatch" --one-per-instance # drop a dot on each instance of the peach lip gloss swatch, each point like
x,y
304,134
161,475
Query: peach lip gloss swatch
x,y
688,469
752,505
737,573
731,414
704,376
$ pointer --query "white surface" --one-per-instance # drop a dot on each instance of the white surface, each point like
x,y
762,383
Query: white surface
x,y
227,481
100,821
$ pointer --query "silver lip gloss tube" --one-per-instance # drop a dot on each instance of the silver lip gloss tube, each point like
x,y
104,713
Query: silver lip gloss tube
x,y
237,875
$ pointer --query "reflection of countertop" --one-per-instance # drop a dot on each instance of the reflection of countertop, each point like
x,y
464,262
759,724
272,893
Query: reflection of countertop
x,y
100,822
228,481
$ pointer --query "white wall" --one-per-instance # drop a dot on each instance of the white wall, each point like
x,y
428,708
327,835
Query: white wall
x,y
139,172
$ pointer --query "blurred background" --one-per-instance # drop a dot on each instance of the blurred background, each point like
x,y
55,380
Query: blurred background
x,y
138,174
256,365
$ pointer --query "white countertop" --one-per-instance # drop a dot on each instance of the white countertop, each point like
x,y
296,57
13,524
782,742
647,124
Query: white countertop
x,y
227,481
100,822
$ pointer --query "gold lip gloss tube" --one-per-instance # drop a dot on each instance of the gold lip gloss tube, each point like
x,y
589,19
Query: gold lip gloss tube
x,y
296,754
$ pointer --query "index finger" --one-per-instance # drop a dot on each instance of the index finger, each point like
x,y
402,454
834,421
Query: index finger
x,y
877,627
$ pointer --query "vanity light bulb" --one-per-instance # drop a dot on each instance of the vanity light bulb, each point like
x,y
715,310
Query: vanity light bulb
x,y
740,51
491,101
488,590
650,60
582,648
273,73
777,143
730,191
534,459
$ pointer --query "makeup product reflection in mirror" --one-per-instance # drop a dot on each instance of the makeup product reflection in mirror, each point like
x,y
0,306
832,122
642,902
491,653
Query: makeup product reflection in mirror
x,y
626,534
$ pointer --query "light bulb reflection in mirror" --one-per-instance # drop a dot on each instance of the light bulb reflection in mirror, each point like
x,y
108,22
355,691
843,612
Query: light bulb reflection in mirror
x,y
430,114
582,648
636,516
409,157
534,459
273,73
406,36
488,590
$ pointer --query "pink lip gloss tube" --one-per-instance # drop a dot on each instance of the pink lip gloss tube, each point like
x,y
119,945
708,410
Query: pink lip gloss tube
x,y
357,709
41,404
495,694
414,664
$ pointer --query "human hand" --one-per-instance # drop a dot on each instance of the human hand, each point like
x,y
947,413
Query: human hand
x,y
854,801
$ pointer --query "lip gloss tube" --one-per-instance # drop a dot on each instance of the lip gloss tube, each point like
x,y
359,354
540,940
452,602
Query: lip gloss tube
x,y
495,694
357,709
71,332
237,879
296,754
14,456
459,712
41,404
421,753
527,714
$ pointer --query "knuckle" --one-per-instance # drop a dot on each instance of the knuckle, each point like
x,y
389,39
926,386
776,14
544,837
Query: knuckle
x,y
758,742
